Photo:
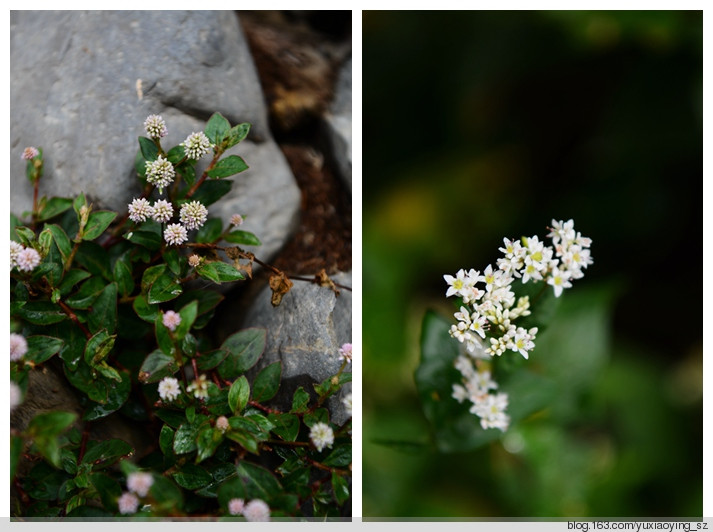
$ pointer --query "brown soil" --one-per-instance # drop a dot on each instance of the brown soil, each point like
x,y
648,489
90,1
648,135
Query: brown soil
x,y
298,65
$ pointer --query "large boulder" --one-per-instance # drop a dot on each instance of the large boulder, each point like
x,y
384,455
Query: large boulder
x,y
82,84
305,333
338,123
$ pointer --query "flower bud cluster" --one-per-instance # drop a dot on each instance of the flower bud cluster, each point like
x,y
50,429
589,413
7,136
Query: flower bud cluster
x,y
485,321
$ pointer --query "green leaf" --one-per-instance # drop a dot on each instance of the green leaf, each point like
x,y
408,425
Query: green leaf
x,y
54,207
157,366
107,452
210,231
188,172
175,154
148,148
231,165
167,496
300,400
216,128
64,245
26,235
207,442
239,395
163,289
109,489
188,316
235,135
98,347
340,488
259,482
286,426
87,294
211,191
219,272
207,299
71,278
116,397
173,260
170,417
185,440
246,440
341,456
267,382
242,237
103,313
97,224
163,337
244,349
165,440
192,477
148,239
145,311
150,275
211,359
72,351
44,430
41,313
122,275
42,348
95,259
232,488
320,415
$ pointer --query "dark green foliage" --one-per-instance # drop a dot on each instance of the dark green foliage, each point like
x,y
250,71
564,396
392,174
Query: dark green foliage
x,y
95,307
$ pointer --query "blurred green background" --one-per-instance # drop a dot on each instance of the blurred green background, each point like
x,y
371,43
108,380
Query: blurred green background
x,y
481,125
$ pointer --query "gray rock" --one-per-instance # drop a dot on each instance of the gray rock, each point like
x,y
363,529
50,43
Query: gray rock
x,y
82,84
338,123
305,333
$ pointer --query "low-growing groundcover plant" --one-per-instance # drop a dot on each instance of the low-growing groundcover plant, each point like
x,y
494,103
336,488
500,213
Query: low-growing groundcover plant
x,y
108,302
473,381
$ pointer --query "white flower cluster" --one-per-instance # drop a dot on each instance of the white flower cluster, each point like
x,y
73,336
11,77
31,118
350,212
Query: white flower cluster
x,y
155,126
196,145
22,258
494,307
321,435
192,215
160,173
476,387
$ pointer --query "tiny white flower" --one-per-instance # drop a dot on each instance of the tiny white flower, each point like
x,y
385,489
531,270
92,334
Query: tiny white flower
x,y
18,346
559,280
15,395
160,172
257,510
15,248
347,402
162,211
139,483
155,126
193,214
236,219
235,506
196,145
168,389
128,503
345,352
175,234
199,387
171,320
194,260
29,153
321,435
28,259
140,210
